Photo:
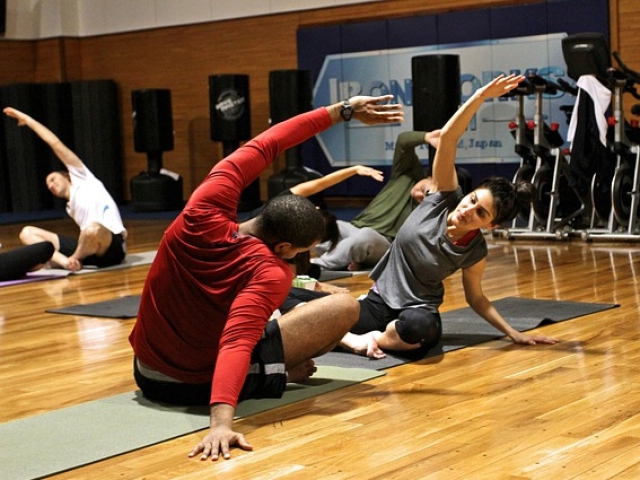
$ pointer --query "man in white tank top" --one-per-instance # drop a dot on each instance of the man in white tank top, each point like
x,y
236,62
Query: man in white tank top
x,y
102,234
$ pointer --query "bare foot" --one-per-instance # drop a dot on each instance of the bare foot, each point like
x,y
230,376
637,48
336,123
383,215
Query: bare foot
x,y
365,344
74,264
302,372
354,266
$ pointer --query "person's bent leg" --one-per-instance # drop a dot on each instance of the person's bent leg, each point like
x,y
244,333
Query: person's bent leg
x,y
414,332
95,239
30,235
299,296
419,326
410,332
373,321
340,256
367,248
15,264
115,254
316,327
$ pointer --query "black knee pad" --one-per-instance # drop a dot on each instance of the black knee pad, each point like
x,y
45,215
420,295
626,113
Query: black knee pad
x,y
419,325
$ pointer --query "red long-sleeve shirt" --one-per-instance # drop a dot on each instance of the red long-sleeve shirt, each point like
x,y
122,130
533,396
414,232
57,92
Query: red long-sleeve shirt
x,y
210,291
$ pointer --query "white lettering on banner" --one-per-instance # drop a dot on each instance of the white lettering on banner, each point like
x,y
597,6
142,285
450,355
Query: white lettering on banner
x,y
487,140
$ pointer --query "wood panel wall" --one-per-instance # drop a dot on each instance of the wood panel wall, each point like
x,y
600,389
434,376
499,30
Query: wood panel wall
x,y
182,58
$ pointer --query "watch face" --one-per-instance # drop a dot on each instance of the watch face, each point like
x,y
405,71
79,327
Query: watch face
x,y
346,111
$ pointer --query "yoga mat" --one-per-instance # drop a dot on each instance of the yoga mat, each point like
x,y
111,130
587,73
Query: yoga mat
x,y
131,260
123,307
68,438
34,277
328,275
463,328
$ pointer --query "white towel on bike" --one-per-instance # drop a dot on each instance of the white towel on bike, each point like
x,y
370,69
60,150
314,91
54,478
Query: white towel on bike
x,y
601,97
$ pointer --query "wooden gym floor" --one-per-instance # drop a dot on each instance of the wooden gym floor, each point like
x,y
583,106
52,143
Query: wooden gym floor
x,y
493,411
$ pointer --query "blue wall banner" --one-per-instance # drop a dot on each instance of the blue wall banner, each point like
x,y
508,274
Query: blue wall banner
x,y
374,57
389,72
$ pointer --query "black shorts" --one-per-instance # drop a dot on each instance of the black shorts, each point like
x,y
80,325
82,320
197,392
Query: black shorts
x,y
266,377
113,256
375,314
298,295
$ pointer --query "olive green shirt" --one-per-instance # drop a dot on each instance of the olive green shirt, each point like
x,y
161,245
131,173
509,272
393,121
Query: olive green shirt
x,y
392,205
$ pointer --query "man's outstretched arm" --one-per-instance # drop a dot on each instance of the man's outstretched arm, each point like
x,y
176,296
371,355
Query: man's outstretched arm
x,y
66,156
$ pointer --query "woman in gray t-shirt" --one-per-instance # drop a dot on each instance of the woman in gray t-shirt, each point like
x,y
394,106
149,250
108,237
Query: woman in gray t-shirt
x,y
441,236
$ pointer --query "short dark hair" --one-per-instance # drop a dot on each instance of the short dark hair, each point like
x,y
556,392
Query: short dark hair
x,y
64,173
331,229
293,219
508,198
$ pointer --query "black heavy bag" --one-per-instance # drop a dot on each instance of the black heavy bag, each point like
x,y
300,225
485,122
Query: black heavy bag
x,y
229,107
436,90
290,93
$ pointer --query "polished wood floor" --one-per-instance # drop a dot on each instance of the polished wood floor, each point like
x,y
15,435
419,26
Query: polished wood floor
x,y
494,411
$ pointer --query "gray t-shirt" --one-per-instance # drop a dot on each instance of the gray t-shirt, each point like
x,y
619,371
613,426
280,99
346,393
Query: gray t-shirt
x,y
422,256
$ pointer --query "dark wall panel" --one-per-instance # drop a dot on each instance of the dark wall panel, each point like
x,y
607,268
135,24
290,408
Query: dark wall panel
x,y
84,115
577,16
361,37
58,117
413,31
315,43
27,159
464,26
3,16
96,126
5,193
519,20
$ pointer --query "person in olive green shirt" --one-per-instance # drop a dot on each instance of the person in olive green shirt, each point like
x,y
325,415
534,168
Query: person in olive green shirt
x,y
365,239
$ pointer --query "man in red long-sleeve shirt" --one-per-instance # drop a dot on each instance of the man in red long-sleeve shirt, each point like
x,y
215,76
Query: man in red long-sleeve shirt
x,y
203,334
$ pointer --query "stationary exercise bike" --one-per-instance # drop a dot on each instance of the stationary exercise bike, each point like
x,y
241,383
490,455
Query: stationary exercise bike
x,y
558,208
523,136
624,140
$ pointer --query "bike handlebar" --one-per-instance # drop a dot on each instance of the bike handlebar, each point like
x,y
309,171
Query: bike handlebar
x,y
551,87
632,74
621,78
524,88
568,87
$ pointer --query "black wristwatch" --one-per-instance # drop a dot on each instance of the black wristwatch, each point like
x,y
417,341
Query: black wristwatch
x,y
346,111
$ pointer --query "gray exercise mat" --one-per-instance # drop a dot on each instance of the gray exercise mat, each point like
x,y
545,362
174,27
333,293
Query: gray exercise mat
x,y
33,277
131,260
89,432
328,275
123,307
463,328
